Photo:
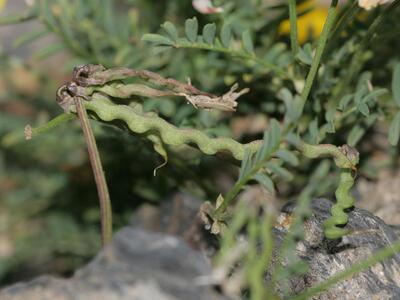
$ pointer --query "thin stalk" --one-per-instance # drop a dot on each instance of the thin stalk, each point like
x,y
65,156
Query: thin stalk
x,y
294,42
14,19
330,20
105,203
237,188
57,121
15,137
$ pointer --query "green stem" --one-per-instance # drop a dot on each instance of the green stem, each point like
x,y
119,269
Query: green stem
x,y
105,203
294,42
13,19
231,195
57,121
17,136
379,256
320,50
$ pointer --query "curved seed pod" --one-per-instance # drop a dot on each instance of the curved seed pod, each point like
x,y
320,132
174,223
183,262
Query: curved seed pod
x,y
160,132
346,158
106,110
88,75
344,201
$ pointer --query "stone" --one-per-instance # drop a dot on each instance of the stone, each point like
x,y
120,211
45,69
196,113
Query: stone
x,y
136,265
327,258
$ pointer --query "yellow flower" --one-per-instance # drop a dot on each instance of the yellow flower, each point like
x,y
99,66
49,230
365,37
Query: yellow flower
x,y
2,4
309,24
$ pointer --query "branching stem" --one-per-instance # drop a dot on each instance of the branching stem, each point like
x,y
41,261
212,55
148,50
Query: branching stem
x,y
330,21
293,27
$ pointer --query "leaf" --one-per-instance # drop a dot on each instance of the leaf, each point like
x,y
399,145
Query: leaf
x,y
355,135
396,84
265,181
171,30
160,49
321,171
246,163
293,104
394,130
295,109
157,39
275,130
265,147
363,80
374,94
329,127
29,37
49,50
279,171
271,141
288,157
330,114
305,54
226,35
363,108
191,29
344,102
360,93
313,129
209,33
247,42
358,100
274,52
294,139
285,94
14,19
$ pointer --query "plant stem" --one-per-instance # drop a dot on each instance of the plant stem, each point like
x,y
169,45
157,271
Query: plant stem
x,y
13,19
320,50
57,121
15,137
237,188
293,27
105,203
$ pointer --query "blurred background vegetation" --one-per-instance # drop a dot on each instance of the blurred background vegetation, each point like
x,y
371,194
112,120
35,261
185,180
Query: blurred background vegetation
x,y
49,212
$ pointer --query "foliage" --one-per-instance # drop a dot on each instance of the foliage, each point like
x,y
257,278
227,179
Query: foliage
x,y
339,88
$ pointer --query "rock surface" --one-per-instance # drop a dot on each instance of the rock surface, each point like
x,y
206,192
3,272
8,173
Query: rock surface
x,y
141,264
370,233
137,265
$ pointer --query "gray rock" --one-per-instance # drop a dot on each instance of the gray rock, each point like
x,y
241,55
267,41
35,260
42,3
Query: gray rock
x,y
136,265
369,234
140,264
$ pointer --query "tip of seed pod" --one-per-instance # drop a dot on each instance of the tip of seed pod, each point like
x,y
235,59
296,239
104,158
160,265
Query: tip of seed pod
x,y
28,132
